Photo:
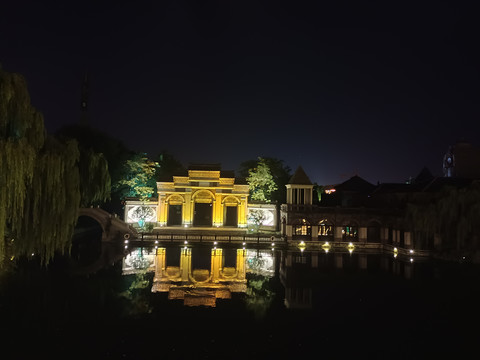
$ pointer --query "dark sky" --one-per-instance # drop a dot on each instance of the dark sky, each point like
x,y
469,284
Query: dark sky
x,y
378,89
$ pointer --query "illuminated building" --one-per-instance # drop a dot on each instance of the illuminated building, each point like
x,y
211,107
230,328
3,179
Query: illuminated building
x,y
206,197
199,286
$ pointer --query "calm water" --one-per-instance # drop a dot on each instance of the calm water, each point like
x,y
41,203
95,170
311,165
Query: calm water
x,y
295,303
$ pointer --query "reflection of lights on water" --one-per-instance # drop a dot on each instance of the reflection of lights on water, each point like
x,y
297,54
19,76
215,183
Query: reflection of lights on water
x,y
126,247
326,246
301,245
350,247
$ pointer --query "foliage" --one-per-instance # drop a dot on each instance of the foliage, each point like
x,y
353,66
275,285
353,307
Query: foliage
x,y
452,213
39,179
102,147
140,180
280,173
168,166
259,294
138,295
261,182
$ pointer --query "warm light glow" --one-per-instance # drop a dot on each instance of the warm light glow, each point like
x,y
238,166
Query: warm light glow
x,y
411,260
329,191
273,244
411,251
186,242
214,243
126,241
350,247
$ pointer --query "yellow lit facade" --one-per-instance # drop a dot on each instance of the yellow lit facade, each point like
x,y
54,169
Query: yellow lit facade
x,y
204,198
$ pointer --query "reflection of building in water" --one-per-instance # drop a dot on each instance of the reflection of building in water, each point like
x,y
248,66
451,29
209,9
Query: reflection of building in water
x,y
302,271
199,286
261,262
139,260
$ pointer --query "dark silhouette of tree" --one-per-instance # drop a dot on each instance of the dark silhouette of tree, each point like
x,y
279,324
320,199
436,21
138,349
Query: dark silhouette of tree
x,y
39,179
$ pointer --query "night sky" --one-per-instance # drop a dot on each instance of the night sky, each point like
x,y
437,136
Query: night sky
x,y
378,89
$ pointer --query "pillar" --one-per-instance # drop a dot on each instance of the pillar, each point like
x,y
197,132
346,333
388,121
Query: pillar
x,y
162,212
241,262
362,234
338,261
160,263
407,237
314,260
338,236
314,232
216,264
384,235
185,263
362,261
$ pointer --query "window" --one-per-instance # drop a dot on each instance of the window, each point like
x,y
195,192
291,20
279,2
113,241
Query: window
x,y
325,230
302,230
350,233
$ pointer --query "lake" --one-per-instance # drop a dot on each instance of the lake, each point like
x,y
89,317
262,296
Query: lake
x,y
234,303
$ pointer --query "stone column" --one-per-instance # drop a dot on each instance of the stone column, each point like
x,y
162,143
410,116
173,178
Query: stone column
x,y
362,261
185,263
314,232
160,263
362,234
407,237
162,210
241,262
338,235
216,264
314,260
338,261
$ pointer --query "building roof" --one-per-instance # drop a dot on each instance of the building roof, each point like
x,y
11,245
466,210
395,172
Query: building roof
x,y
355,183
299,178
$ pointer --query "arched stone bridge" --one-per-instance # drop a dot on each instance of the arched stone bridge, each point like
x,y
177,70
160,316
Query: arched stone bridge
x,y
113,228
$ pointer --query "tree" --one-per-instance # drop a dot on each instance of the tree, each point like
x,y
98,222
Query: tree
x,y
260,182
280,173
39,179
115,153
140,183
168,166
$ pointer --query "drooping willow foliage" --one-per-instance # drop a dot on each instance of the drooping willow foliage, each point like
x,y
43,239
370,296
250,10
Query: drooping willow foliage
x,y
40,191
453,214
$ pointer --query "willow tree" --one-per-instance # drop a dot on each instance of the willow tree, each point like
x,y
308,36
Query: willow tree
x,y
39,179
453,214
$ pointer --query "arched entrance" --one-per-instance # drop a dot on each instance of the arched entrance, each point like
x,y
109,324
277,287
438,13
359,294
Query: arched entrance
x,y
203,208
